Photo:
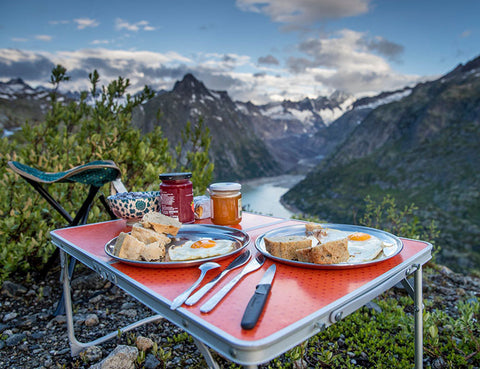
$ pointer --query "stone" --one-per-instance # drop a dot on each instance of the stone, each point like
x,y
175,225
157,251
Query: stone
x,y
122,357
130,313
91,320
3,327
373,306
92,281
13,289
60,319
144,343
15,339
9,316
151,362
92,354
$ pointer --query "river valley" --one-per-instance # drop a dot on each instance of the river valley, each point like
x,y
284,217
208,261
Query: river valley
x,y
262,195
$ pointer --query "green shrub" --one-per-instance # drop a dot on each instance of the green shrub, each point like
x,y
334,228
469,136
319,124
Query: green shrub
x,y
97,126
386,215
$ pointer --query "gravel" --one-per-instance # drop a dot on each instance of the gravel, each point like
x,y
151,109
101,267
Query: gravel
x,y
32,337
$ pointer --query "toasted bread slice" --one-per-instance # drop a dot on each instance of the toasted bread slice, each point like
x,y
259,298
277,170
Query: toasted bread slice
x,y
128,247
154,251
161,223
147,235
314,229
332,252
285,247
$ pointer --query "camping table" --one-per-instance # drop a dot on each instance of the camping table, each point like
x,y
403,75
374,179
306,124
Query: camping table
x,y
302,302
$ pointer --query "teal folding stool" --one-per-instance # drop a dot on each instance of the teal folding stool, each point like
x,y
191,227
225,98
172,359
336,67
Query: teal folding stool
x,y
95,174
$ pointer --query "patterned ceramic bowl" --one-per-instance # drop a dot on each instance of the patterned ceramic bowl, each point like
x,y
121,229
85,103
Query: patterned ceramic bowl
x,y
132,206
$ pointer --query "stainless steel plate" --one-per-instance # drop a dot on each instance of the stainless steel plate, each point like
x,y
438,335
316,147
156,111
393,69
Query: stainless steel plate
x,y
299,230
191,232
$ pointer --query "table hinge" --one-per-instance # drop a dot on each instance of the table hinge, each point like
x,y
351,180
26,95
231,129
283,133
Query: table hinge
x,y
320,326
105,274
413,268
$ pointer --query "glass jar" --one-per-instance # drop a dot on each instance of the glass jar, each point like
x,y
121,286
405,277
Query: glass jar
x,y
176,196
226,203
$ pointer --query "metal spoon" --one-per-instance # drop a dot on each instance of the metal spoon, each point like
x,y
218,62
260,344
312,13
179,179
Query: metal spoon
x,y
239,261
180,299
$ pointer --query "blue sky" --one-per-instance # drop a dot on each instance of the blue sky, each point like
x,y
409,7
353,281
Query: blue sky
x,y
257,50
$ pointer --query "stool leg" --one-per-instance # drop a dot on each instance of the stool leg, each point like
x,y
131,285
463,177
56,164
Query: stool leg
x,y
82,215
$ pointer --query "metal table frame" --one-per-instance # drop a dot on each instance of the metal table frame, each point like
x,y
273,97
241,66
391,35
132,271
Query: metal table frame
x,y
244,352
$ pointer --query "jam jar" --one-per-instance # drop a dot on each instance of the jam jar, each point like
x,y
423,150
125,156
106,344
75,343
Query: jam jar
x,y
226,203
176,196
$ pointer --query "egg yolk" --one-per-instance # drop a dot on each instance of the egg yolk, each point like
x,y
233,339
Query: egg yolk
x,y
203,244
359,236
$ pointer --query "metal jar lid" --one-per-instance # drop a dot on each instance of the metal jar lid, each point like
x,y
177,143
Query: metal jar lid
x,y
225,186
175,176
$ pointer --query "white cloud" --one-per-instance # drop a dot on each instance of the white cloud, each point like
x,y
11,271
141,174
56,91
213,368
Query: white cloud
x,y
342,62
19,39
121,24
43,37
83,23
349,61
304,12
100,42
222,62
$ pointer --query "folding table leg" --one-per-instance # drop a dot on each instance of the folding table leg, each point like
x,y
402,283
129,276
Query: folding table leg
x,y
76,346
212,364
418,301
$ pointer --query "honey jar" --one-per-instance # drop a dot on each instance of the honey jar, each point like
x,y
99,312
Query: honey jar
x,y
176,196
226,203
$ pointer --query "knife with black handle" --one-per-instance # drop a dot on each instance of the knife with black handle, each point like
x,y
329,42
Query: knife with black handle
x,y
257,302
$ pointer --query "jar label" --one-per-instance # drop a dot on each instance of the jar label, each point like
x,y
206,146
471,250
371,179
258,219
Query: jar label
x,y
177,202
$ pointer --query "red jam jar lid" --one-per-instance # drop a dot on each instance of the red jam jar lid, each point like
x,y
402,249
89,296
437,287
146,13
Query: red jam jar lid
x,y
175,176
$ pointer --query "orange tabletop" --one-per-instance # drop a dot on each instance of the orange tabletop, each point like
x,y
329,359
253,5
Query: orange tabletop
x,y
301,299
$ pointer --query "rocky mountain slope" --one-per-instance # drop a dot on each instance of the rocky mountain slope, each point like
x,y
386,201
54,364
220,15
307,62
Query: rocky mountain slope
x,y
248,140
235,150
423,149
20,103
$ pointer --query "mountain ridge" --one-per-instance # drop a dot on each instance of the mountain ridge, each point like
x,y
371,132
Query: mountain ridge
x,y
422,149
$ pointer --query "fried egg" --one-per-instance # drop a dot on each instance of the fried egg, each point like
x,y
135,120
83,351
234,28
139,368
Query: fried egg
x,y
200,249
362,247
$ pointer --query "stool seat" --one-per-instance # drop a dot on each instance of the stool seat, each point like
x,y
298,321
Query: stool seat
x,y
96,173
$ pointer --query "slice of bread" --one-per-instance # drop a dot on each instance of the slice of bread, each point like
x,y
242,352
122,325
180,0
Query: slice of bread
x,y
285,247
314,229
154,251
161,223
128,247
147,235
332,252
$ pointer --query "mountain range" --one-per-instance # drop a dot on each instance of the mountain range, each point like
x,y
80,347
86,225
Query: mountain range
x,y
418,144
422,149
248,140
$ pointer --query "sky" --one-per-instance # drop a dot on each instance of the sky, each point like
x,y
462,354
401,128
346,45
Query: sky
x,y
256,50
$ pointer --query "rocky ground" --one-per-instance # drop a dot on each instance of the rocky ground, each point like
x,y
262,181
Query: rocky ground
x,y
32,337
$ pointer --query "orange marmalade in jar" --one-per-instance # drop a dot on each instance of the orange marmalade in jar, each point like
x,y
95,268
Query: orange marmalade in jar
x,y
226,203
